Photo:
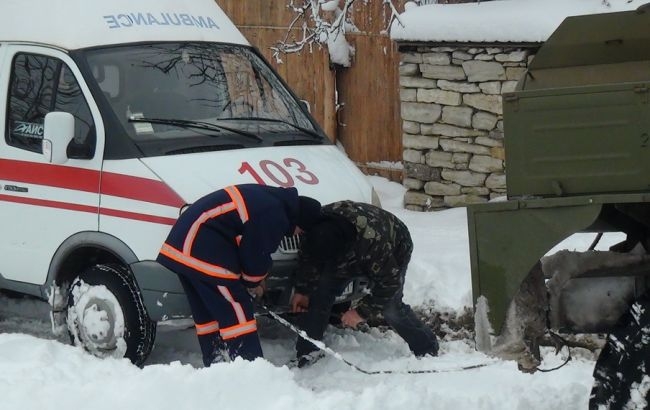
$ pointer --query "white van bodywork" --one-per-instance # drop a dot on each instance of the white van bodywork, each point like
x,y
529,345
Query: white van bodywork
x,y
76,24
169,102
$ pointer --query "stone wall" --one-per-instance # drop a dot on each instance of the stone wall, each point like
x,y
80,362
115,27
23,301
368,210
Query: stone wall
x,y
452,122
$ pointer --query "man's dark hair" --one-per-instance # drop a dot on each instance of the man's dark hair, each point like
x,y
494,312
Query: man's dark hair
x,y
309,212
329,239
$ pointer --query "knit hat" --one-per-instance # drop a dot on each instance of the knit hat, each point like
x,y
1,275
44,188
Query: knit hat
x,y
308,212
328,240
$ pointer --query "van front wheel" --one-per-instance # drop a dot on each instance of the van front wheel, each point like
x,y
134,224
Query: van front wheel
x,y
106,314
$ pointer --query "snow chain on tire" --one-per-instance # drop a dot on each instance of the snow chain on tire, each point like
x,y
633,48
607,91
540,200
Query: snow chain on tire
x,y
139,329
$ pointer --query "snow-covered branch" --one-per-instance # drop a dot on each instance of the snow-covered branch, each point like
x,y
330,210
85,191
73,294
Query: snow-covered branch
x,y
323,23
394,14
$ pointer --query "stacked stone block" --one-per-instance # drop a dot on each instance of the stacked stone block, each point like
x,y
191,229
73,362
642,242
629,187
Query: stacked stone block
x,y
452,122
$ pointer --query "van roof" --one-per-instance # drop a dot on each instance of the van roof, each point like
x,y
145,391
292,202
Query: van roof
x,y
74,24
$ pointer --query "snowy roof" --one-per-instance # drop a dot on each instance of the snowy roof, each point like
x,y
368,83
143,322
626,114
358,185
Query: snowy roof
x,y
73,24
502,21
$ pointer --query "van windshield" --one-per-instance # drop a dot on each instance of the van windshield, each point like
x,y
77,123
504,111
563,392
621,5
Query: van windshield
x,y
190,97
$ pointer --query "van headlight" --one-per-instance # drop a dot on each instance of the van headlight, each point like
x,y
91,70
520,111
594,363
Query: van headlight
x,y
375,198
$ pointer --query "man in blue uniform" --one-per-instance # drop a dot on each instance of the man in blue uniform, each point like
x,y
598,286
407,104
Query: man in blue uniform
x,y
220,247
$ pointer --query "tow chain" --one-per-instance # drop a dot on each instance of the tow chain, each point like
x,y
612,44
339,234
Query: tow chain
x,y
559,346
320,345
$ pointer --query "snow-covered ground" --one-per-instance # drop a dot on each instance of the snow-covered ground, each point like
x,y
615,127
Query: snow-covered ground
x,y
38,372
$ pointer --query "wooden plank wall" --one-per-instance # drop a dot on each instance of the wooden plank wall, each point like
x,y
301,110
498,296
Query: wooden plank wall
x,y
370,91
368,125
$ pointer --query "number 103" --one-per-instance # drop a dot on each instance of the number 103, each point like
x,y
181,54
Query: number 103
x,y
283,175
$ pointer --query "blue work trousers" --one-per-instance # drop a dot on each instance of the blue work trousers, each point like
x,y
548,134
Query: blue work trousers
x,y
225,320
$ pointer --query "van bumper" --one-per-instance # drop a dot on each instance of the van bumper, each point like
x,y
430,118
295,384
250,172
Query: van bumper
x,y
162,292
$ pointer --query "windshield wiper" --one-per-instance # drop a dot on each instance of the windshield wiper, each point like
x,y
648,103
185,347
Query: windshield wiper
x,y
310,133
196,124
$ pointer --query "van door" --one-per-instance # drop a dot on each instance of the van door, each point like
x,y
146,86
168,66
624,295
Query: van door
x,y
42,204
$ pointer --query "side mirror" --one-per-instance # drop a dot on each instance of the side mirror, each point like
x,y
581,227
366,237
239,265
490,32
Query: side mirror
x,y
57,134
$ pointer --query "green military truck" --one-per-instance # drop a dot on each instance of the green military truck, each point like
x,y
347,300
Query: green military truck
x,y
577,142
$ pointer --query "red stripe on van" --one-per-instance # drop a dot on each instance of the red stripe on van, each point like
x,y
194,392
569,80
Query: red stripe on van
x,y
142,189
138,217
80,179
90,209
49,204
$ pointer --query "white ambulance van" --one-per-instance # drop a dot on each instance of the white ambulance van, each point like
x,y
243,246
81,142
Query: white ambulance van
x,y
116,114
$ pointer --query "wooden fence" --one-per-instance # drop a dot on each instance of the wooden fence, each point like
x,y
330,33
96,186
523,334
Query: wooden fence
x,y
367,122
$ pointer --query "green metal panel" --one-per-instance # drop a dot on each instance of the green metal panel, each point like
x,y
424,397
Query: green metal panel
x,y
597,39
574,141
579,122
507,238
577,138
506,243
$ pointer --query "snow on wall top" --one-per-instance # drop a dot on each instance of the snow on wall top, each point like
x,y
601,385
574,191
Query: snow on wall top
x,y
496,21
73,24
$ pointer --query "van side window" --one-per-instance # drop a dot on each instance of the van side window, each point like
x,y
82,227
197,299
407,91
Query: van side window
x,y
30,98
39,85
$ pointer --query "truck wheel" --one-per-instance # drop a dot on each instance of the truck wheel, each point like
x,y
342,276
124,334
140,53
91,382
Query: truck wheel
x,y
622,371
106,314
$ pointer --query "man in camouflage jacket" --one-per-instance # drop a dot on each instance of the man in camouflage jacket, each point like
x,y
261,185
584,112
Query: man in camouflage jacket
x,y
357,240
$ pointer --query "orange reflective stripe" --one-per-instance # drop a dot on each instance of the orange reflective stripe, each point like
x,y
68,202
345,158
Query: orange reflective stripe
x,y
197,264
239,311
236,197
238,330
206,328
194,229
253,279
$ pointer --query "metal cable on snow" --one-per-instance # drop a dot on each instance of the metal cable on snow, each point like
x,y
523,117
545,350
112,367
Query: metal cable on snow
x,y
320,345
